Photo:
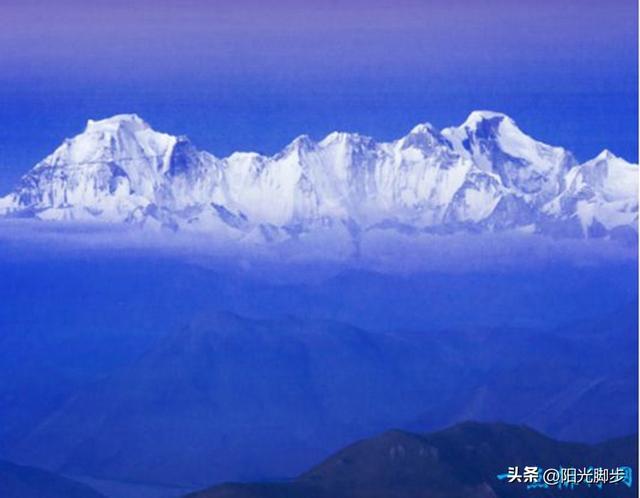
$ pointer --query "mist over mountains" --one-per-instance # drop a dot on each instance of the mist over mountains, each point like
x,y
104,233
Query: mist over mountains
x,y
234,398
236,376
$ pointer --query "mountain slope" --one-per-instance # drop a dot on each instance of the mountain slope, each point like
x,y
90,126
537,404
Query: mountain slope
x,y
460,462
242,399
18,481
227,394
483,175
601,195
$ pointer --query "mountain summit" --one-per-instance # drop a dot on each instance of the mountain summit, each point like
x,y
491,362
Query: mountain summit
x,y
484,175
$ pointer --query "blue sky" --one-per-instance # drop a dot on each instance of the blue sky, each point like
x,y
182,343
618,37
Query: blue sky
x,y
252,75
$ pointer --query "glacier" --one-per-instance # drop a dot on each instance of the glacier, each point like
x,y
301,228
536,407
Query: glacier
x,y
485,175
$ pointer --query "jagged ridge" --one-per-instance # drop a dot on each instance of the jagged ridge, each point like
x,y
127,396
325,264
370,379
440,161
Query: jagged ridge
x,y
484,175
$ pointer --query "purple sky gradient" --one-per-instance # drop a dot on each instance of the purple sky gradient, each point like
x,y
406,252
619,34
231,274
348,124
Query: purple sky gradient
x,y
252,74
160,38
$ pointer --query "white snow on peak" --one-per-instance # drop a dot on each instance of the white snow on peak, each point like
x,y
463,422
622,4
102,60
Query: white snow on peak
x,y
423,128
301,142
601,194
494,142
612,176
476,117
486,174
606,154
336,136
131,121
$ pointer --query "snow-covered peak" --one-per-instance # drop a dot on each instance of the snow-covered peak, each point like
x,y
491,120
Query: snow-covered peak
x,y
244,156
425,140
601,195
130,122
476,117
346,140
610,160
336,136
495,143
613,177
422,128
605,155
124,136
112,168
497,127
298,144
486,174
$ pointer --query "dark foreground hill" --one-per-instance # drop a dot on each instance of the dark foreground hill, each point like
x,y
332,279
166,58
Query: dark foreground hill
x,y
18,481
460,462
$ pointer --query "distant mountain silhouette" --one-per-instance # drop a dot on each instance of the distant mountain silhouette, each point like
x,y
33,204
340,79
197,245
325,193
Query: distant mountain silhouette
x,y
237,399
460,462
18,481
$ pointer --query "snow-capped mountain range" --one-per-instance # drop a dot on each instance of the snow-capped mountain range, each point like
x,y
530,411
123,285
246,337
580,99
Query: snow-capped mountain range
x,y
484,175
